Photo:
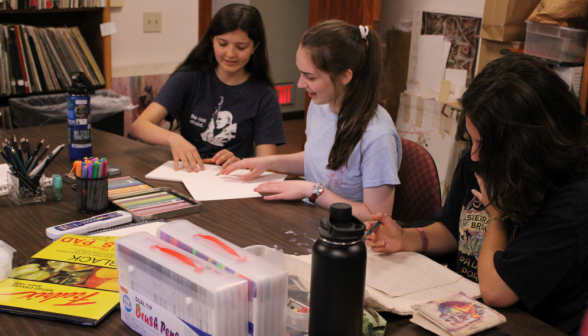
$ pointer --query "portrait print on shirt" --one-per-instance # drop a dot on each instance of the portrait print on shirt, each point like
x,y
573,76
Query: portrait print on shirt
x,y
221,128
472,228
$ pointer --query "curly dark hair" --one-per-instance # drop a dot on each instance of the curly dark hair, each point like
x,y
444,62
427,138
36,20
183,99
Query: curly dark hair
x,y
534,138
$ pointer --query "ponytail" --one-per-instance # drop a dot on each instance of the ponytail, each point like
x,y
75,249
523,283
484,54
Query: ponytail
x,y
335,47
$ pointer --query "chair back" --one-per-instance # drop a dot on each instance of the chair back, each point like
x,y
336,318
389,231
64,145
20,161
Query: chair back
x,y
418,197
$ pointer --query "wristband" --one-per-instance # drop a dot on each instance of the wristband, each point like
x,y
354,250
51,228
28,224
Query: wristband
x,y
424,241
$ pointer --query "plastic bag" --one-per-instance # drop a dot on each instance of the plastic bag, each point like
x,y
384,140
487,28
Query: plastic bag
x,y
6,252
52,109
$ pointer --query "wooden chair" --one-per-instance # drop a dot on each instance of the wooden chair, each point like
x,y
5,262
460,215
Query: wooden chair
x,y
418,197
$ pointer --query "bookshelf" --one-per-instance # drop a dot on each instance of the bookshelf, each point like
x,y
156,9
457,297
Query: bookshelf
x,y
88,20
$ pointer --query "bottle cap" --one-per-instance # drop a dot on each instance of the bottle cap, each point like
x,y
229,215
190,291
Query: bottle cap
x,y
341,225
57,182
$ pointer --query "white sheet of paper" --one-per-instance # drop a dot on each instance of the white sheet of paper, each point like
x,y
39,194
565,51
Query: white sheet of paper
x,y
457,77
206,186
166,172
209,187
433,51
3,174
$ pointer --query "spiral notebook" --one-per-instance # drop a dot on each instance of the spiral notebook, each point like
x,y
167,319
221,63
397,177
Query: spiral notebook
x,y
125,229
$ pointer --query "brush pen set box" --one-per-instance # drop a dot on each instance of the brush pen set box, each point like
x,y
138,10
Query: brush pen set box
x,y
267,283
167,291
297,312
149,203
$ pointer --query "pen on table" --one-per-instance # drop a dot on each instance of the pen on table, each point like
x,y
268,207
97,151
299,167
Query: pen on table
x,y
373,228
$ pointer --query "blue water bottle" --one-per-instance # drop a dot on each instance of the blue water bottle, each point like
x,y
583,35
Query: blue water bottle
x,y
78,116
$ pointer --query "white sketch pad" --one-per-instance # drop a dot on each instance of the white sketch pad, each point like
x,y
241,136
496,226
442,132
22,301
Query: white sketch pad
x,y
206,186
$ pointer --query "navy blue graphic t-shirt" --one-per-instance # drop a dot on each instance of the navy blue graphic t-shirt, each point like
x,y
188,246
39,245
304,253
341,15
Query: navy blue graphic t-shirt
x,y
217,116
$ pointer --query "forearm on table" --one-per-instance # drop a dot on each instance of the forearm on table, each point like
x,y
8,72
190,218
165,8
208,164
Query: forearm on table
x,y
440,240
359,209
146,131
495,292
288,164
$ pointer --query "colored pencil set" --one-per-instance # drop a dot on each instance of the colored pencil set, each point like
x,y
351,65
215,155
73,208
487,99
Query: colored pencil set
x,y
27,166
124,185
153,203
91,184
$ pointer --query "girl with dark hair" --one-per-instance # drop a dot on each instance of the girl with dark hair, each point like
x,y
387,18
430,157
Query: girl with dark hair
x,y
352,153
225,77
517,212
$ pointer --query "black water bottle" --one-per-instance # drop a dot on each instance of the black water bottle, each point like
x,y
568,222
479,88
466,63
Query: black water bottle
x,y
338,275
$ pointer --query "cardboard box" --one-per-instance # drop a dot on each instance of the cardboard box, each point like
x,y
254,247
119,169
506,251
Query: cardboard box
x,y
490,50
432,124
504,20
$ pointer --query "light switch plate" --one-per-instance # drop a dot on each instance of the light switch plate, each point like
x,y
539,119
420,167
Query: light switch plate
x,y
152,22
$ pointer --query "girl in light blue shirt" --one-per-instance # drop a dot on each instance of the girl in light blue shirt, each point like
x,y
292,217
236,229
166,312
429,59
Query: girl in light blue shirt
x,y
353,151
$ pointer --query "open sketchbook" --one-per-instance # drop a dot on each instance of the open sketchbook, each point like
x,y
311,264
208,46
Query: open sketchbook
x,y
397,281
207,186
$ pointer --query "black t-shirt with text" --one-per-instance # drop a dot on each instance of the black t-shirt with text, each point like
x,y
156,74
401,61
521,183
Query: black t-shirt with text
x,y
217,116
546,260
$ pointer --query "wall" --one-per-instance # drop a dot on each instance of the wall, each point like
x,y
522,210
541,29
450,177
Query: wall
x,y
135,53
285,21
394,11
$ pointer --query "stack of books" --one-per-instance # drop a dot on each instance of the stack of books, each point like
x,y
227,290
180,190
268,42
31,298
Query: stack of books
x,y
36,59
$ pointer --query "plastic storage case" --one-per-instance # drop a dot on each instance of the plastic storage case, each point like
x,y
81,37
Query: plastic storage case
x,y
165,290
267,283
554,42
298,285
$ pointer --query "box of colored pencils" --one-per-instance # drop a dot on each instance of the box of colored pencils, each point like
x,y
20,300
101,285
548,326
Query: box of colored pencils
x,y
167,291
267,283
125,185
156,203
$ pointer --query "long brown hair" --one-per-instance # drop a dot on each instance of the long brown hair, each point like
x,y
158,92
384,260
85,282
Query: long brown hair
x,y
335,47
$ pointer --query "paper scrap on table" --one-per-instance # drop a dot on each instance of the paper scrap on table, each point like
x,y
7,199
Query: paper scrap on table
x,y
211,188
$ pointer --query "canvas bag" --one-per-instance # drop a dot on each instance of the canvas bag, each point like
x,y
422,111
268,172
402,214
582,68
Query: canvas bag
x,y
504,20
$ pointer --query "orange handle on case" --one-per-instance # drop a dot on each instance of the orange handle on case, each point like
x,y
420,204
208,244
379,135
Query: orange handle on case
x,y
180,256
223,245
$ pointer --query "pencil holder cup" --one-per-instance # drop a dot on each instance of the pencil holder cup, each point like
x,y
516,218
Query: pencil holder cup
x,y
26,190
92,194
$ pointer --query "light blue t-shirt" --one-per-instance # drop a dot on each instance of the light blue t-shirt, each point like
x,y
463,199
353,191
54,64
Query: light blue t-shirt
x,y
375,160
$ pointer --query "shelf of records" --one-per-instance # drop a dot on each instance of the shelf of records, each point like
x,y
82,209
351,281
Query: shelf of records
x,y
34,60
5,118
50,4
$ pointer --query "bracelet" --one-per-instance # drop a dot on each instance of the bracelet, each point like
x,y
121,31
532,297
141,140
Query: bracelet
x,y
424,240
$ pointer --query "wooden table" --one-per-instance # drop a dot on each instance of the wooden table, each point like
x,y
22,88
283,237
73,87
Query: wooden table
x,y
244,222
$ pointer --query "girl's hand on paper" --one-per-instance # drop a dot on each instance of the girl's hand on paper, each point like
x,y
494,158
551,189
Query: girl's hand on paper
x,y
183,150
257,166
285,190
387,237
223,157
